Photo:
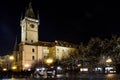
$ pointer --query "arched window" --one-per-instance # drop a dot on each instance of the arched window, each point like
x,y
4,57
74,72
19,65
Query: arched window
x,y
33,50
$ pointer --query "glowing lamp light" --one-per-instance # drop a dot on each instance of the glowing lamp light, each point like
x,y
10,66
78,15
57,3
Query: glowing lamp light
x,y
4,69
14,67
52,66
37,69
59,68
11,57
29,69
84,69
79,65
27,65
49,61
109,60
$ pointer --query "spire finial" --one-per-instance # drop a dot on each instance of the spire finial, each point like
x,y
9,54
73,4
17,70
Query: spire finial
x,y
38,15
15,45
30,3
29,11
21,16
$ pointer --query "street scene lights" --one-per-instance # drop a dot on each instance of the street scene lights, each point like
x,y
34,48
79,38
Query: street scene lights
x,y
49,61
109,60
109,68
11,57
26,65
14,67
4,69
79,65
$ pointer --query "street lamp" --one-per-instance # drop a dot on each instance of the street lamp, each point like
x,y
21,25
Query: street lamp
x,y
109,60
27,65
49,61
79,65
14,67
4,69
11,57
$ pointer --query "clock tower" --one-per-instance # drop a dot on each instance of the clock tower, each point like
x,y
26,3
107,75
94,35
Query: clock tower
x,y
29,26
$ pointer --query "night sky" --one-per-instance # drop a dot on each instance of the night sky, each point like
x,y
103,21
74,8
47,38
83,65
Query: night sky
x,y
65,20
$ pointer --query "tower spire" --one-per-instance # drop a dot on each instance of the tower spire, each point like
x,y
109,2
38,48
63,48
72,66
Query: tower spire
x,y
29,11
29,26
15,45
21,16
38,17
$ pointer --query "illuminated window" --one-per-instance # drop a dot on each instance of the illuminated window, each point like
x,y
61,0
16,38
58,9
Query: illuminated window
x,y
33,57
33,50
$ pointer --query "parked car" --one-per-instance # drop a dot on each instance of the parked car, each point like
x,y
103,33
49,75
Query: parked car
x,y
51,72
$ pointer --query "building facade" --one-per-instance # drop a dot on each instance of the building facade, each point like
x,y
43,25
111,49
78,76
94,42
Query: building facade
x,y
32,50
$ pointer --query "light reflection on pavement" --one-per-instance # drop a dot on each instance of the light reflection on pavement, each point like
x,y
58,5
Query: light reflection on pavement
x,y
14,79
75,77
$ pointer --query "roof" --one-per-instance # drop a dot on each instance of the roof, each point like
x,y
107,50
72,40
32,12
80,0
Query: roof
x,y
55,43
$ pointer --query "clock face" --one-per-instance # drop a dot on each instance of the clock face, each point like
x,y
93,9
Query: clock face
x,y
32,25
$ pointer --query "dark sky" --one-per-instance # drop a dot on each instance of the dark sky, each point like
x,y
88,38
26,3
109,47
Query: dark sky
x,y
65,20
